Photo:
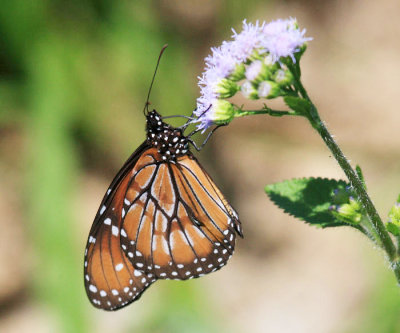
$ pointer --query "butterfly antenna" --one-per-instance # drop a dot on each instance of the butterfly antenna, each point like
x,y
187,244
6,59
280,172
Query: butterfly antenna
x,y
146,106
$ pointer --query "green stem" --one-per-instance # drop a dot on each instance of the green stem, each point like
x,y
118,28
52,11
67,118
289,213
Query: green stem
x,y
384,237
265,110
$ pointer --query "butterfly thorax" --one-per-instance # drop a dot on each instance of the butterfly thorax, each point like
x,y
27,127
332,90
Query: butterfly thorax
x,y
169,141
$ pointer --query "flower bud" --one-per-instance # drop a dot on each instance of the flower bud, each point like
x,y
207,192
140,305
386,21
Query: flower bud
x,y
270,63
394,214
350,212
268,89
283,77
226,88
222,112
248,90
257,71
238,73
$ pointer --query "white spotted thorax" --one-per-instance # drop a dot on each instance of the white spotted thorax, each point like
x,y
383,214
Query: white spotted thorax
x,y
169,141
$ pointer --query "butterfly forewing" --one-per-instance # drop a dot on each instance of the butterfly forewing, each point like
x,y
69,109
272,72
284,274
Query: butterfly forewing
x,y
111,281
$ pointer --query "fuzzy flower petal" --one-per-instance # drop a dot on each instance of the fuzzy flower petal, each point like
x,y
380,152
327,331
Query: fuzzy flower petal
x,y
283,38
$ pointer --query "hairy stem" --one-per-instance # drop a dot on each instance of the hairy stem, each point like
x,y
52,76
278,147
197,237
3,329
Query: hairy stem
x,y
384,240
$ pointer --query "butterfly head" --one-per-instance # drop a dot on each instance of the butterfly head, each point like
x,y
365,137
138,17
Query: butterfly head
x,y
169,141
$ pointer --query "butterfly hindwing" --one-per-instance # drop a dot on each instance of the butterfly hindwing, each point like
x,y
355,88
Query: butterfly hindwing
x,y
178,226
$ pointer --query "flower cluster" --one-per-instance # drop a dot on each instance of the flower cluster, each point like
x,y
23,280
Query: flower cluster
x,y
346,208
253,62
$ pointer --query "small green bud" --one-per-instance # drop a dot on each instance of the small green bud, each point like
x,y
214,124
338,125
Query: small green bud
x,y
270,63
255,55
248,90
350,212
223,112
226,88
268,89
283,77
394,214
257,71
238,72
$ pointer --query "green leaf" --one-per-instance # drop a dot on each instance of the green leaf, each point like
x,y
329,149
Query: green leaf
x,y
298,104
393,229
361,176
309,199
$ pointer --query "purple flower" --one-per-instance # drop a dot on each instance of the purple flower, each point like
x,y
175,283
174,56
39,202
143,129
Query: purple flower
x,y
270,42
283,38
246,41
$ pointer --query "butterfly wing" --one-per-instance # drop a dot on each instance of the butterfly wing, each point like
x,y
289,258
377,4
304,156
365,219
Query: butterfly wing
x,y
178,225
111,281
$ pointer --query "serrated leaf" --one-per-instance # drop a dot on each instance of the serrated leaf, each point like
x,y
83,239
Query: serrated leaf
x,y
298,104
308,199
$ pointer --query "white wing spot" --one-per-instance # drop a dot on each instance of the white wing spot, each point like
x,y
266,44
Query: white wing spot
x,y
123,233
114,230
137,273
93,289
179,266
107,221
103,293
126,289
127,202
119,267
138,254
139,264
226,232
174,273
114,292
103,208
199,269
130,254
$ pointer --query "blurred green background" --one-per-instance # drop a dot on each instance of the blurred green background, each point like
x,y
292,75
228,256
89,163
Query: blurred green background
x,y
74,77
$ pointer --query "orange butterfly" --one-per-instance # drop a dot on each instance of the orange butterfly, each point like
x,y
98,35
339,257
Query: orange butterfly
x,y
161,218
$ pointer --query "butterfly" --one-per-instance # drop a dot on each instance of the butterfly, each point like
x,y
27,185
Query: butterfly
x,y
162,217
